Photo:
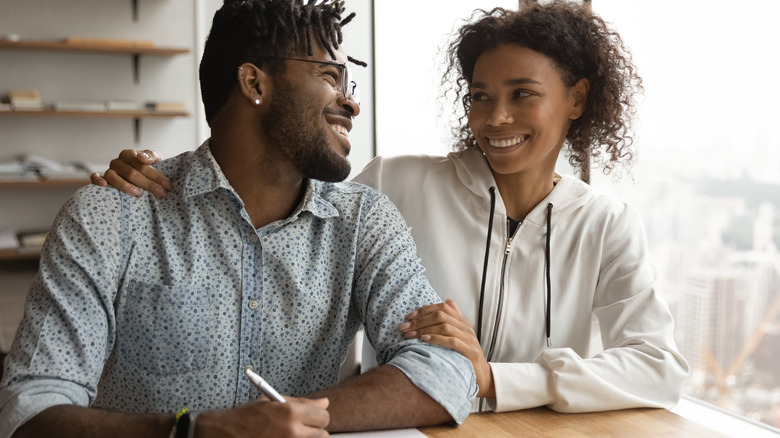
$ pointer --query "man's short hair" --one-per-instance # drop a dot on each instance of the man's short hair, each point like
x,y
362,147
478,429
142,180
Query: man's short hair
x,y
256,31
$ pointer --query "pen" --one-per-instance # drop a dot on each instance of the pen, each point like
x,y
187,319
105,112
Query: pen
x,y
262,385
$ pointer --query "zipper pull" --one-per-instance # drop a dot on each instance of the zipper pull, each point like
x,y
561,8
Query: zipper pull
x,y
508,246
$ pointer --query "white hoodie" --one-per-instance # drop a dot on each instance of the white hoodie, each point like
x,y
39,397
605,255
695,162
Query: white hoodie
x,y
601,275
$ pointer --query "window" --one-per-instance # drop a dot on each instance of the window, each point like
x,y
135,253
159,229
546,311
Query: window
x,y
708,185
707,179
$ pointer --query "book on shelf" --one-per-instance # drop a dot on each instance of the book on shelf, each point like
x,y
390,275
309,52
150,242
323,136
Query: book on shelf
x,y
114,42
25,100
123,105
79,105
89,168
14,170
8,239
49,169
11,37
32,238
163,107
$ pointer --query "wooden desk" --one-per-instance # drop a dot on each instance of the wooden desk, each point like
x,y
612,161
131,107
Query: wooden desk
x,y
543,422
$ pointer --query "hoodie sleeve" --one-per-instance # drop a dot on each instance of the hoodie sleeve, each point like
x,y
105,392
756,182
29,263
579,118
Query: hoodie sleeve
x,y
639,365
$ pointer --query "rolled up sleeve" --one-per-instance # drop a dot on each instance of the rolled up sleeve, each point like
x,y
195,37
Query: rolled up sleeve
x,y
19,402
443,374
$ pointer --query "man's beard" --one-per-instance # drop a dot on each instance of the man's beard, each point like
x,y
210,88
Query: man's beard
x,y
290,126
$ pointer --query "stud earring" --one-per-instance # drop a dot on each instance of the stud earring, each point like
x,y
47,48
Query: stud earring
x,y
257,101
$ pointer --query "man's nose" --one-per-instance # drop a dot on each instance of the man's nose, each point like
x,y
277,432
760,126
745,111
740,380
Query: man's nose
x,y
350,105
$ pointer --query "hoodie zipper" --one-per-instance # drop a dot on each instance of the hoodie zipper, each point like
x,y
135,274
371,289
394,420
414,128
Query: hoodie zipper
x,y
507,250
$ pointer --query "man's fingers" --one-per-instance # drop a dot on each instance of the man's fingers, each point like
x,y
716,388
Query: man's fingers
x,y
310,412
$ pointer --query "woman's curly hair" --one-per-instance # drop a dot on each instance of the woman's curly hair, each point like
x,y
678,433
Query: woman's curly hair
x,y
580,45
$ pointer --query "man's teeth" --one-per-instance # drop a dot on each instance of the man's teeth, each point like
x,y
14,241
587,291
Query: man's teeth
x,y
505,142
340,129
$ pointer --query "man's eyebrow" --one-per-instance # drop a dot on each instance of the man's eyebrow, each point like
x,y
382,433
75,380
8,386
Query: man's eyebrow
x,y
508,82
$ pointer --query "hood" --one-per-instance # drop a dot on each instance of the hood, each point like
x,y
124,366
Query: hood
x,y
474,172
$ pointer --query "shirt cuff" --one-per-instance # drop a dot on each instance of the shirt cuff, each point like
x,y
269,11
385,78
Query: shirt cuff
x,y
20,402
445,375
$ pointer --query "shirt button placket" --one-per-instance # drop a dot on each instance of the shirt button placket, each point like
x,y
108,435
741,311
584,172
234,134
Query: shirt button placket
x,y
251,320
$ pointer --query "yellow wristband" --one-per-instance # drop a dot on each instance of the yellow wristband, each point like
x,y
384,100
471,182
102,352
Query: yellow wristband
x,y
181,412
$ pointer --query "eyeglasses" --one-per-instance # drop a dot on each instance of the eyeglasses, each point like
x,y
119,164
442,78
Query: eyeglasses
x,y
349,88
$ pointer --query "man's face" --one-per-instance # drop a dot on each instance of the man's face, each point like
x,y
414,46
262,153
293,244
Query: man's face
x,y
309,118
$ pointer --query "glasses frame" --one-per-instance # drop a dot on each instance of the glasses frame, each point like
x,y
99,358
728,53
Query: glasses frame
x,y
349,88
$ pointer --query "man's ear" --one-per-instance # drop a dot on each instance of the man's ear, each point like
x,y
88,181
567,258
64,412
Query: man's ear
x,y
253,83
580,94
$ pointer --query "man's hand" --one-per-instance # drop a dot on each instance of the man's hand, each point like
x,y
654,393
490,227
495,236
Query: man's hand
x,y
133,171
299,417
443,324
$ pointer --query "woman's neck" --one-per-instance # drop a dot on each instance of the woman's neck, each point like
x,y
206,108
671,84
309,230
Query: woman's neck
x,y
522,192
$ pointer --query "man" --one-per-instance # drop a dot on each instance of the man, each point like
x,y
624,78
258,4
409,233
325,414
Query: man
x,y
146,306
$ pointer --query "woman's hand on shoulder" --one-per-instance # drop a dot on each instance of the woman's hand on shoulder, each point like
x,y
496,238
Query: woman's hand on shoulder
x,y
133,171
443,324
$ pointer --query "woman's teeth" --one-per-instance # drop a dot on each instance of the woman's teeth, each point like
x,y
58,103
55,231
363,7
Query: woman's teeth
x,y
505,142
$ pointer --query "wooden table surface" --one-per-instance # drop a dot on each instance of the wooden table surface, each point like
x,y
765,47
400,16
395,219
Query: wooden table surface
x,y
543,422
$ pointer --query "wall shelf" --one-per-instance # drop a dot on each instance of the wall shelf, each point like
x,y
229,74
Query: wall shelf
x,y
49,112
43,183
12,254
60,46
124,48
135,115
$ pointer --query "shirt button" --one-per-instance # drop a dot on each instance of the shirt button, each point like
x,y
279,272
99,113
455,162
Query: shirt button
x,y
249,367
253,238
253,304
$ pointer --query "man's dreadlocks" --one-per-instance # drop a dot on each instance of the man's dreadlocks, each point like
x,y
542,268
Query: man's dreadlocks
x,y
257,31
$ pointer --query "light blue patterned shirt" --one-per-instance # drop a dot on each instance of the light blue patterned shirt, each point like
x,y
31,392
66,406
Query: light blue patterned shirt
x,y
150,305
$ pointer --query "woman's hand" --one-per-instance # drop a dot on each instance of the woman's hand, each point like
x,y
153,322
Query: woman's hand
x,y
443,324
133,171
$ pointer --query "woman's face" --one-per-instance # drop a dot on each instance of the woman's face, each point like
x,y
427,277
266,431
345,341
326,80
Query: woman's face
x,y
521,110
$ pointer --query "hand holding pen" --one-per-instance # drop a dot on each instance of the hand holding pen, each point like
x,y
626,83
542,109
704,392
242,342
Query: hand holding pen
x,y
264,386
293,417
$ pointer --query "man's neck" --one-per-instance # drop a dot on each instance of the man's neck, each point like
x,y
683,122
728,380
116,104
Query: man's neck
x,y
270,187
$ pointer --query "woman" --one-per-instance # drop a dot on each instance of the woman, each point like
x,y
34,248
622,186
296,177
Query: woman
x,y
537,262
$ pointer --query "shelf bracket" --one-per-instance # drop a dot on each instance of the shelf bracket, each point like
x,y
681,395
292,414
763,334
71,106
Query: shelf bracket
x,y
134,4
137,130
136,68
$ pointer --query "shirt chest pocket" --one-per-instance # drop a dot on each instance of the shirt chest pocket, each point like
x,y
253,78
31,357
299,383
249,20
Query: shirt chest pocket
x,y
164,330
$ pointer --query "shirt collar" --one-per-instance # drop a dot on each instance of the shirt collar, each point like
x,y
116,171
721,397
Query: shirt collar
x,y
204,175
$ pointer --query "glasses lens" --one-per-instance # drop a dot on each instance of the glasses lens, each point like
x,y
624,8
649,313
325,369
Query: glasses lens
x,y
346,78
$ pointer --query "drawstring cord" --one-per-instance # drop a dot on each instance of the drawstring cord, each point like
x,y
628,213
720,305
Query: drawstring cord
x,y
485,266
547,268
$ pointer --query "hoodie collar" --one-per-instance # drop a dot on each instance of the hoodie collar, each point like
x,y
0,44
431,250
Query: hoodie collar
x,y
474,172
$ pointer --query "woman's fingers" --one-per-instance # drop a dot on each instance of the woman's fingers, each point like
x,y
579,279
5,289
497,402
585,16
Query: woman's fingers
x,y
132,171
98,180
